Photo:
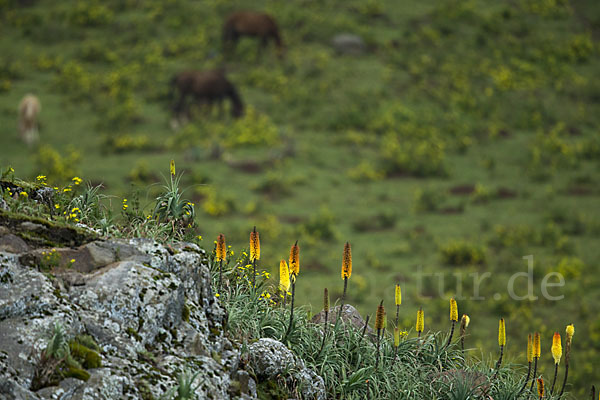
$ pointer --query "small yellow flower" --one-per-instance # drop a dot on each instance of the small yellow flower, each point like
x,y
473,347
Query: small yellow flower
x,y
67,189
556,348
172,167
76,180
24,194
72,260
41,178
217,294
57,206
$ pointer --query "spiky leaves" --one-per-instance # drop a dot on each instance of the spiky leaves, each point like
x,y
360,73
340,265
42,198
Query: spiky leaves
x,y
420,325
570,331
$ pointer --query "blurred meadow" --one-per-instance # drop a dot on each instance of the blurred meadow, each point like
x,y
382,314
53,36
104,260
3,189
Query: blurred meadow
x,y
462,138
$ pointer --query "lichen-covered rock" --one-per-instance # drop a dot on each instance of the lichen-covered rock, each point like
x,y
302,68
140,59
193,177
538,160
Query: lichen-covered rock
x,y
271,359
131,302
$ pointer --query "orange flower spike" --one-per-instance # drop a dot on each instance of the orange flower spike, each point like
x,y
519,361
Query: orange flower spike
x,y
254,245
347,262
221,253
295,259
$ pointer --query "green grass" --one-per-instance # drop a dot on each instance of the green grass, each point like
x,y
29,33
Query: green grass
x,y
486,80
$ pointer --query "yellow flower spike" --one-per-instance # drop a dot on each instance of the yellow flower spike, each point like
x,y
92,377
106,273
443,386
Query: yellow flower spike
x,y
396,337
537,345
529,348
172,167
398,295
254,245
453,310
295,259
384,320
570,331
379,316
556,348
284,276
347,262
540,387
501,333
420,321
221,253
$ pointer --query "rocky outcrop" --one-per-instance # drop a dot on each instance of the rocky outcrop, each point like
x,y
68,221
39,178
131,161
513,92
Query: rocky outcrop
x,y
148,307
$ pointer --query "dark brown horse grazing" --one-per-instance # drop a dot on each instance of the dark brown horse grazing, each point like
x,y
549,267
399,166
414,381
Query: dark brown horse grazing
x,y
204,88
251,23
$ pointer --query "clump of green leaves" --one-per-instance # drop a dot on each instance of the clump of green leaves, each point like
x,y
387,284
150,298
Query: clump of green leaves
x,y
172,208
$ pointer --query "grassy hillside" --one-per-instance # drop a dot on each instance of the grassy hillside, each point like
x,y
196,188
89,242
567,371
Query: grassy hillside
x,y
464,139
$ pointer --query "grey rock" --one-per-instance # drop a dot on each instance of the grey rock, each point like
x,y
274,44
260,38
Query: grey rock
x,y
271,359
350,316
348,43
13,244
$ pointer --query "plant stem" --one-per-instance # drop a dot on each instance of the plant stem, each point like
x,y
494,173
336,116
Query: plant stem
x,y
526,380
499,363
289,329
364,329
451,334
534,372
554,380
220,275
377,354
566,370
254,273
343,299
324,330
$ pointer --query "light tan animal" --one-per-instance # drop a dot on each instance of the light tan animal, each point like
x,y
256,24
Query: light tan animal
x,y
29,108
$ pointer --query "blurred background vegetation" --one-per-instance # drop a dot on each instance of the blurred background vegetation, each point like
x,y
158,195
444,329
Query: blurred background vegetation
x,y
463,137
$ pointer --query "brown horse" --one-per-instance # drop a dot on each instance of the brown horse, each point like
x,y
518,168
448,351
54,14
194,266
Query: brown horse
x,y
29,108
255,24
204,88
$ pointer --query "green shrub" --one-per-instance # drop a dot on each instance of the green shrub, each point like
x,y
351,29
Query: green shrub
x,y
428,199
461,252
56,167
